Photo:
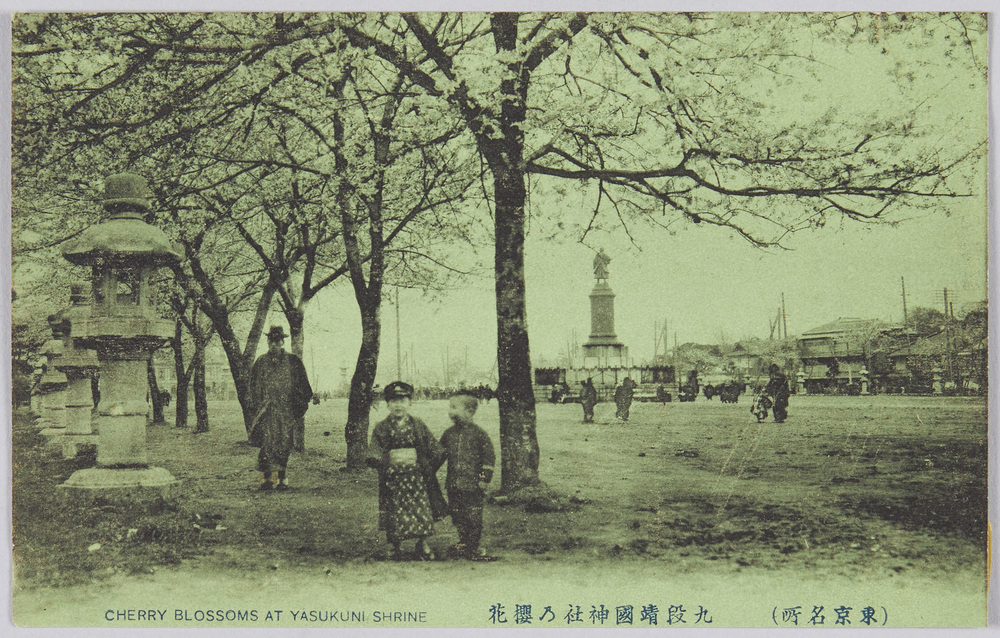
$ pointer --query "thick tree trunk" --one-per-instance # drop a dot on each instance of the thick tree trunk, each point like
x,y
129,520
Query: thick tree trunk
x,y
360,402
154,392
181,392
518,437
368,296
200,396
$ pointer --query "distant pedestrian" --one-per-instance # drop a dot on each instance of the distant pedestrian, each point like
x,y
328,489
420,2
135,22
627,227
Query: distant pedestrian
x,y
588,398
688,391
623,399
469,453
777,389
760,405
407,456
279,397
662,396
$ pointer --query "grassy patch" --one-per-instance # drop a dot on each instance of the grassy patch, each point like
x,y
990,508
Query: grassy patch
x,y
60,542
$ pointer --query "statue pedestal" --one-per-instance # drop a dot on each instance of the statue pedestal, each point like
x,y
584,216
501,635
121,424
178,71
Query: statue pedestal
x,y
605,355
603,349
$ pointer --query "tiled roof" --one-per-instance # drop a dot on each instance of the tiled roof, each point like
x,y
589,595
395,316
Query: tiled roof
x,y
840,326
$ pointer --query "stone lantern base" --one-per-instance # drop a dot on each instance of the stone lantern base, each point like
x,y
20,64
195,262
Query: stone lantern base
x,y
119,484
72,444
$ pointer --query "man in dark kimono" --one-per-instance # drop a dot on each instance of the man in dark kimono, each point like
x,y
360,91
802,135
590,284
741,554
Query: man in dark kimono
x,y
623,399
588,397
777,389
407,456
279,396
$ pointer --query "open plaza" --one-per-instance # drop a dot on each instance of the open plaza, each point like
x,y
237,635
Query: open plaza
x,y
875,498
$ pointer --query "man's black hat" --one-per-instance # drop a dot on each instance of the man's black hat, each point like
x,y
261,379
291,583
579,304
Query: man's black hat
x,y
398,390
276,333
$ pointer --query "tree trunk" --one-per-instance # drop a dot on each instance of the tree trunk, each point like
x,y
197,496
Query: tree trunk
x,y
518,437
200,397
296,337
154,392
240,360
368,296
360,402
295,318
240,369
181,392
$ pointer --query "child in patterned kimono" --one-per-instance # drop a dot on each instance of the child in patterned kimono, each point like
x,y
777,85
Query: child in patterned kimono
x,y
470,456
406,456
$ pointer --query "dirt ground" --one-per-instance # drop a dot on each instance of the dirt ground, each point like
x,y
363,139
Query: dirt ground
x,y
879,498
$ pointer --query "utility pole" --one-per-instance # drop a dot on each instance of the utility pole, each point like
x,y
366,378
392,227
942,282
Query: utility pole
x,y
666,339
784,317
945,302
952,342
656,341
902,281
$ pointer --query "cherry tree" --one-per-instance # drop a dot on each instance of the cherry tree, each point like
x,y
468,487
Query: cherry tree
x,y
678,118
238,118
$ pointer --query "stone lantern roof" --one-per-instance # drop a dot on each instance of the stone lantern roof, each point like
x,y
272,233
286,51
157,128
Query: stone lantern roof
x,y
125,237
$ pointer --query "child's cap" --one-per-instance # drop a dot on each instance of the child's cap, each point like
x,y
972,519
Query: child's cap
x,y
397,390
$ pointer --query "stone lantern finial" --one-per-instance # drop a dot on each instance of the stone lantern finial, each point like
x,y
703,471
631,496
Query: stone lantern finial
x,y
125,191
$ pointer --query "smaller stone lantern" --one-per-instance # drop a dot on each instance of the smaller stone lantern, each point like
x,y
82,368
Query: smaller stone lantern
x,y
52,385
80,366
801,381
123,252
864,380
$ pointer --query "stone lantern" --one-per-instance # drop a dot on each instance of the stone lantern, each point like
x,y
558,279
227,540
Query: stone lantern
x,y
80,366
123,252
52,384
800,387
864,380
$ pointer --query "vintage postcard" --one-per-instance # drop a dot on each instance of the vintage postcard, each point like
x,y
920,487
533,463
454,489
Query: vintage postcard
x,y
499,320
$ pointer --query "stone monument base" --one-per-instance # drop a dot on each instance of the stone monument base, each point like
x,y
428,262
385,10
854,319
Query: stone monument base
x,y
119,484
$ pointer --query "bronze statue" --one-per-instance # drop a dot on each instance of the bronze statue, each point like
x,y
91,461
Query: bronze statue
x,y
601,261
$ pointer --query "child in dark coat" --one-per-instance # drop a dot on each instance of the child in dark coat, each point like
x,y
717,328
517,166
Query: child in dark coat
x,y
470,456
